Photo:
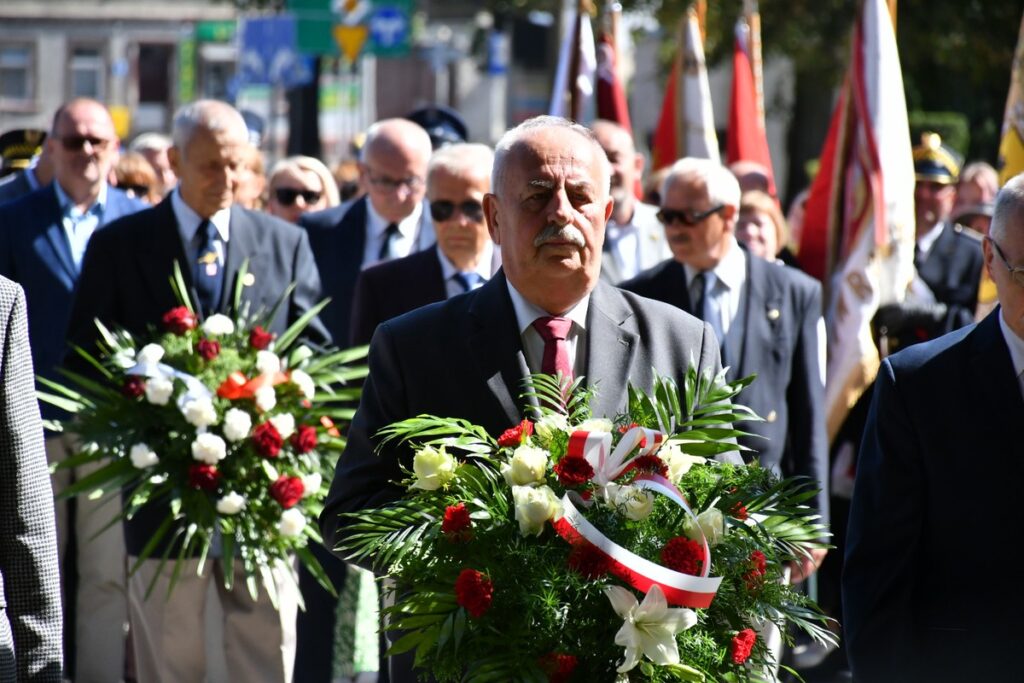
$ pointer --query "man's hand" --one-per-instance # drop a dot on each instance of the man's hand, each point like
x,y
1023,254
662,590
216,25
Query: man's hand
x,y
804,567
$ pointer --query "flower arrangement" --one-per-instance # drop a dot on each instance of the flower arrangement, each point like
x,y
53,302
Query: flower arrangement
x,y
231,429
575,548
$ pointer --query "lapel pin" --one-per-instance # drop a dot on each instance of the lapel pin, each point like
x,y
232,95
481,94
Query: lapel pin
x,y
773,314
249,280
772,416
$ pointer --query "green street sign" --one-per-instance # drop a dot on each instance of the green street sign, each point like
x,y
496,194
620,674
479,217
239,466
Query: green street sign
x,y
216,31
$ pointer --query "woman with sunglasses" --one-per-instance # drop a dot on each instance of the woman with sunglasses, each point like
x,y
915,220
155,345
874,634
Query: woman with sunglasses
x,y
299,184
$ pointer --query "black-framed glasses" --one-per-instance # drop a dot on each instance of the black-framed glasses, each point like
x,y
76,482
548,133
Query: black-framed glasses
x,y
670,216
286,196
412,183
443,210
1016,272
76,143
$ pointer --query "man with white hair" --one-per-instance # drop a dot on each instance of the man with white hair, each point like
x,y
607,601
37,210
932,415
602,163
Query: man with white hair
x,y
154,147
125,282
943,434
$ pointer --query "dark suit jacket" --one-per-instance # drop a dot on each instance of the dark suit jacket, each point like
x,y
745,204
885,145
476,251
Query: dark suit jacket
x,y
952,270
390,289
126,282
34,252
338,239
780,308
463,358
15,186
930,589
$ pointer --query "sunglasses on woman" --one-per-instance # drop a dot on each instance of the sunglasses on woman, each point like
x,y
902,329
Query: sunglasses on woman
x,y
286,196
443,210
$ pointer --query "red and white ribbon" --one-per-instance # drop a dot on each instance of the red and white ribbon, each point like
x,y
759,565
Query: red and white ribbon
x,y
608,464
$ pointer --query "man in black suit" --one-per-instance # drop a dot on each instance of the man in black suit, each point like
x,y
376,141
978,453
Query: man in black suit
x,y
915,609
390,221
768,316
466,357
458,177
125,282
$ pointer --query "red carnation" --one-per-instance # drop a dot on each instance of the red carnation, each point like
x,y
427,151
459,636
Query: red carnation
x,y
649,463
588,561
203,477
573,471
739,511
742,644
134,386
683,555
180,320
208,349
516,435
304,439
259,338
267,440
758,567
558,666
287,490
474,591
625,428
457,525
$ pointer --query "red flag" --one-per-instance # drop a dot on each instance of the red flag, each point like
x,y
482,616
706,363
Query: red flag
x,y
747,140
611,96
664,145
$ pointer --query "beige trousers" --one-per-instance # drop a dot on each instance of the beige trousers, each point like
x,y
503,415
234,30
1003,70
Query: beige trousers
x,y
169,635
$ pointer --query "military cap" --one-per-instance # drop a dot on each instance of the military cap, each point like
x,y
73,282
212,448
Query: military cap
x,y
17,147
256,125
935,162
443,125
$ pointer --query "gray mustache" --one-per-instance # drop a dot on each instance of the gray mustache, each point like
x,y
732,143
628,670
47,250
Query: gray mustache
x,y
560,233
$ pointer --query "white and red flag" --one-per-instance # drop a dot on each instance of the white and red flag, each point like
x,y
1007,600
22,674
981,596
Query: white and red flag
x,y
573,92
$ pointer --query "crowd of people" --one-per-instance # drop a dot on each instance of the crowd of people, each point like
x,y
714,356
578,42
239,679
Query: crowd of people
x,y
540,256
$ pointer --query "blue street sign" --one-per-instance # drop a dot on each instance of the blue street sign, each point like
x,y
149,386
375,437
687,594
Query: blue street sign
x,y
268,53
389,29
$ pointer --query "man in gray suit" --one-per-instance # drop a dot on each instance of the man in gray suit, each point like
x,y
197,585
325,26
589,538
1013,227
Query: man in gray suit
x,y
466,357
30,624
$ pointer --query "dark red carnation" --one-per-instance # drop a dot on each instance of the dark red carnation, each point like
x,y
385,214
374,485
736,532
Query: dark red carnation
x,y
304,439
259,338
474,591
267,440
683,555
134,386
739,511
457,525
515,436
208,349
558,666
625,428
758,567
573,471
180,320
587,561
651,464
203,477
742,644
287,490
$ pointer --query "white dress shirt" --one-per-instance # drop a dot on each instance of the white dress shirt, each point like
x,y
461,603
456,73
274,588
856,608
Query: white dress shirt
x,y
533,343
402,244
188,223
926,241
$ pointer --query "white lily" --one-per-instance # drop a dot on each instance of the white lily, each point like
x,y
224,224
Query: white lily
x,y
650,627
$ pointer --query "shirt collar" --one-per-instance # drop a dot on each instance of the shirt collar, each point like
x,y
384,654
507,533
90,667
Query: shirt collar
x,y
731,270
31,178
925,241
527,312
189,220
67,205
483,265
377,224
1014,343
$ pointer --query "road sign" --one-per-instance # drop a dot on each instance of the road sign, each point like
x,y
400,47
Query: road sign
x,y
269,53
351,39
390,28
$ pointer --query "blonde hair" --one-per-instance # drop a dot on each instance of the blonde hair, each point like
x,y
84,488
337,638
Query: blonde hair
x,y
755,200
302,164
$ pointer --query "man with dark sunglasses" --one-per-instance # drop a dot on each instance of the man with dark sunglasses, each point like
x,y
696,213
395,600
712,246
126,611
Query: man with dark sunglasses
x,y
43,237
457,179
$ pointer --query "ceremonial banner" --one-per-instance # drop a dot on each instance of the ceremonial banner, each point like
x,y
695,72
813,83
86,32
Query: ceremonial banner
x,y
859,224
1011,148
573,90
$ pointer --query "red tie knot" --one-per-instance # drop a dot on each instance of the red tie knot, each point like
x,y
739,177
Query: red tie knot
x,y
552,328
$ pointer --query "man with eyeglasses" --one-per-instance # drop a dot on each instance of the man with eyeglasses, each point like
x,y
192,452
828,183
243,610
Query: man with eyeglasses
x,y
43,237
390,221
458,177
940,456
767,315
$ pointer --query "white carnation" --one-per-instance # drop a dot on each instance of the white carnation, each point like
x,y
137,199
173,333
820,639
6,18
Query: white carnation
x,y
159,389
218,325
209,448
199,412
265,398
311,484
304,382
151,353
142,456
267,362
596,424
231,504
284,423
237,424
292,522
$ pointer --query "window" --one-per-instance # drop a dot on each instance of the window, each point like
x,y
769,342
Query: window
x,y
87,73
17,74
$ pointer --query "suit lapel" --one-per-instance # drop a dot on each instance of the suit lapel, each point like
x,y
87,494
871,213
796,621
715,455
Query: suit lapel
x,y
162,245
56,237
761,306
997,399
243,243
433,276
611,344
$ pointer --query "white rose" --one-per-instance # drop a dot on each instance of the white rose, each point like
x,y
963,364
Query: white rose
x,y
546,427
311,484
433,468
678,463
596,424
304,382
284,423
231,504
632,502
527,466
292,522
266,398
535,505
159,389
711,522
267,362
237,424
199,412
151,353
142,456
209,448
218,325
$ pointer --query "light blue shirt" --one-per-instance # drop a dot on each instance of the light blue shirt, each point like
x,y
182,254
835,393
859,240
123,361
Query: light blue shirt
x,y
722,299
485,267
80,225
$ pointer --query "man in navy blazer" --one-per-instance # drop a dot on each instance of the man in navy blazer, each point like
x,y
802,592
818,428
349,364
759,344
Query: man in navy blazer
x,y
930,587
768,316
390,221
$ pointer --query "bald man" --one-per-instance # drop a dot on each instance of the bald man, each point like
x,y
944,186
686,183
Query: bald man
x,y
390,221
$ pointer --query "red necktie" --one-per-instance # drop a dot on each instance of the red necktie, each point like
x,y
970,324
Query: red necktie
x,y
556,350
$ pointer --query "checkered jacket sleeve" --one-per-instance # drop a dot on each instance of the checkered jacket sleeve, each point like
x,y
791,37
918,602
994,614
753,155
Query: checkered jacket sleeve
x,y
31,620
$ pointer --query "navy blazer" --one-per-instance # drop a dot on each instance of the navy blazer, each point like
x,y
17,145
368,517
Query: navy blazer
x,y
952,270
931,591
13,187
780,307
35,253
